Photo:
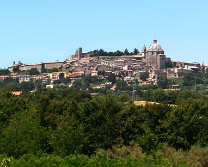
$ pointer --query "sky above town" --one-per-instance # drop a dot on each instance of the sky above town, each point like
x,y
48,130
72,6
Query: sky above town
x,y
47,30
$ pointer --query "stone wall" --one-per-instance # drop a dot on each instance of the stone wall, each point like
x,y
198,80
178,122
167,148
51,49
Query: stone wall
x,y
53,65
29,67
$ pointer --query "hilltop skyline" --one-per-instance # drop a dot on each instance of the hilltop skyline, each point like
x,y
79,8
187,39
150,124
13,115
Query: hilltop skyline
x,y
39,31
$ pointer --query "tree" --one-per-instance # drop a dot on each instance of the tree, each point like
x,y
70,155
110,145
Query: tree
x,y
162,82
65,80
136,51
66,141
28,85
188,79
126,52
4,72
24,135
34,71
144,76
58,81
50,70
10,84
121,85
111,78
101,72
98,117
100,52
77,84
118,53
39,84
187,124
149,142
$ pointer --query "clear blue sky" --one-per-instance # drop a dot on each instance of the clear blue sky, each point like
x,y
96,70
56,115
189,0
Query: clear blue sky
x,y
35,31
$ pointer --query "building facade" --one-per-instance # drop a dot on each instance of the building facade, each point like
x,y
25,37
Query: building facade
x,y
154,56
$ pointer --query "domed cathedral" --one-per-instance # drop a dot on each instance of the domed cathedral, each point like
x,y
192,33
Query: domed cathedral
x,y
154,56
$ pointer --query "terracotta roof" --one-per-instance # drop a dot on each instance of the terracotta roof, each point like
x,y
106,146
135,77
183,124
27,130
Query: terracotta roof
x,y
17,93
4,76
93,94
175,85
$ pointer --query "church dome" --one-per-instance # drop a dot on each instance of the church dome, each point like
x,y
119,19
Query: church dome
x,y
155,47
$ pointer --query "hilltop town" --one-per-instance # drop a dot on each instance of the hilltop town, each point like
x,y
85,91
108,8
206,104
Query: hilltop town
x,y
131,65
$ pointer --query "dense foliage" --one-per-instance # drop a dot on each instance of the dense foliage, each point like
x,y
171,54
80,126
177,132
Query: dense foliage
x,y
4,72
68,127
144,76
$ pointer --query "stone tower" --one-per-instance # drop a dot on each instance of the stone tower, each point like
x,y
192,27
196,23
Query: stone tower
x,y
144,51
79,53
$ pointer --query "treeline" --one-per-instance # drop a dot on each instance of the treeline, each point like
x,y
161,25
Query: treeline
x,y
10,84
102,52
4,72
194,78
169,96
61,125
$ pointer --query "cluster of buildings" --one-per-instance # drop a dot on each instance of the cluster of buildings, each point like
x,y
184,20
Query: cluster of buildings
x,y
46,78
151,59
